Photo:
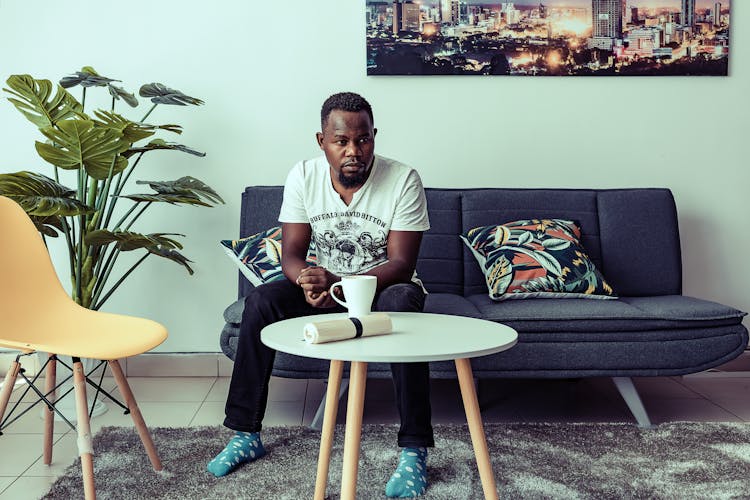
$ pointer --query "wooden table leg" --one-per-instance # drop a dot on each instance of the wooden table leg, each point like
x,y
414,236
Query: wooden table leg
x,y
329,423
357,381
476,429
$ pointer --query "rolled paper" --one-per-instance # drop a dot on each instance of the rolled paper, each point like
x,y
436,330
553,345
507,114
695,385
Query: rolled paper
x,y
319,332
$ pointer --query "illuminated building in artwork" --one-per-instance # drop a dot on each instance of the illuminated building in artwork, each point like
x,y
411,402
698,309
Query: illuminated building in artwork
x,y
688,12
670,33
405,16
446,11
463,12
455,11
643,41
510,13
397,14
379,14
410,16
607,17
717,14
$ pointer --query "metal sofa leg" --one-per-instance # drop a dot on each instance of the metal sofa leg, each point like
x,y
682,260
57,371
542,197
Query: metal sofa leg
x,y
630,394
317,421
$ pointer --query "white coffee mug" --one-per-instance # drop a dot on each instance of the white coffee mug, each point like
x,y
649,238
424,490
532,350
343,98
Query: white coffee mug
x,y
359,292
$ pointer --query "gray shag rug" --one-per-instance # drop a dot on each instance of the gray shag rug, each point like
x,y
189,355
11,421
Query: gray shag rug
x,y
675,460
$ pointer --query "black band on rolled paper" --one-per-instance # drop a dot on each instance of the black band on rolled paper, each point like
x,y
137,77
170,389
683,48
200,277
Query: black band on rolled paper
x,y
357,327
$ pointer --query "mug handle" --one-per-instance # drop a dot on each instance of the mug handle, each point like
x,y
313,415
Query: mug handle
x,y
333,295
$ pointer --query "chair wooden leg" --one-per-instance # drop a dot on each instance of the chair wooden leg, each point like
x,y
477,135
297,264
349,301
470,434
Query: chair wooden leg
x,y
135,413
49,415
85,448
8,384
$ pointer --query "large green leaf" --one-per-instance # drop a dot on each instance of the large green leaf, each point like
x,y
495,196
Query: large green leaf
x,y
131,131
126,240
172,199
161,94
33,99
86,78
41,196
171,127
161,144
121,93
48,226
83,142
187,186
172,255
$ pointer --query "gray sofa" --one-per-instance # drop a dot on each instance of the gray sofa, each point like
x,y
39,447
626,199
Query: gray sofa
x,y
631,235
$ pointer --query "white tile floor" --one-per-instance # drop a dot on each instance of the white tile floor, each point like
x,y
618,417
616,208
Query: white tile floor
x,y
192,401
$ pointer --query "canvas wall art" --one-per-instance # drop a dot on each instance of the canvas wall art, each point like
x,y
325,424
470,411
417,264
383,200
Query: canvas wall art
x,y
550,38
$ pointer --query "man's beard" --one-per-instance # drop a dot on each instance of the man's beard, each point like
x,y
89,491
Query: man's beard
x,y
352,181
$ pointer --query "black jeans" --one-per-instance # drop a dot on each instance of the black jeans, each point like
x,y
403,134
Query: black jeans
x,y
278,300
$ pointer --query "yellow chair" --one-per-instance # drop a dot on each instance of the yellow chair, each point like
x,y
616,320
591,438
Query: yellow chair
x,y
36,314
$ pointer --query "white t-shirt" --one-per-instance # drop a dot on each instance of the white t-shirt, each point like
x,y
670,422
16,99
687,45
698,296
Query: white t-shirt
x,y
352,239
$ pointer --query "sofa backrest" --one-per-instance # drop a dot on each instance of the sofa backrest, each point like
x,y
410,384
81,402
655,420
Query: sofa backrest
x,y
631,234
259,210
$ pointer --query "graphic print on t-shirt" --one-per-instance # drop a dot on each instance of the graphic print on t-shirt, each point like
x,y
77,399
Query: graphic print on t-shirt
x,y
348,248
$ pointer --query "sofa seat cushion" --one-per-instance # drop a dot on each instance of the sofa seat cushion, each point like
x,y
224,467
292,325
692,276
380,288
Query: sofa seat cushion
x,y
450,303
626,314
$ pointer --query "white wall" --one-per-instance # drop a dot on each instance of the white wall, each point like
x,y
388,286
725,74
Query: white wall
x,y
264,68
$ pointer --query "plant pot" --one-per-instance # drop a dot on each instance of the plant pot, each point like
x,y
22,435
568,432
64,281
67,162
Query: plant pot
x,y
67,405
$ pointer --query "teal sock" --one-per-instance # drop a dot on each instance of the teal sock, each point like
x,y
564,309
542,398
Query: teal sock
x,y
410,478
243,447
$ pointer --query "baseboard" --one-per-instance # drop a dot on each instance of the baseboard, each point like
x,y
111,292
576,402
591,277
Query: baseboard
x,y
211,364
201,364
173,365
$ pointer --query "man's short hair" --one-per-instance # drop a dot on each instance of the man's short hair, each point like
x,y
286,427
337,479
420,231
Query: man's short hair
x,y
344,101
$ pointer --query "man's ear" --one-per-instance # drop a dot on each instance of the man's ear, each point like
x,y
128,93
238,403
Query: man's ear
x,y
374,132
319,138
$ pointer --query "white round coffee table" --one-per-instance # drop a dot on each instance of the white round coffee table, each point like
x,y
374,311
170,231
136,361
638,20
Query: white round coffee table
x,y
416,337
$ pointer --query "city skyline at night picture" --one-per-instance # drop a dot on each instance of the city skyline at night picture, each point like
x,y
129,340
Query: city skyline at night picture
x,y
555,38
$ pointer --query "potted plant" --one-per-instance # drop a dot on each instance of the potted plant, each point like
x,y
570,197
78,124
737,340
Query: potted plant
x,y
101,151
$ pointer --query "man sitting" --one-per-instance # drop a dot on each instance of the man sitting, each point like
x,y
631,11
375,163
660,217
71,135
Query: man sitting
x,y
366,214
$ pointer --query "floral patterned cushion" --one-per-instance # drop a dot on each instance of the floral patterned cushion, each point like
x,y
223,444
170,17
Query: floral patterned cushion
x,y
536,258
259,256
